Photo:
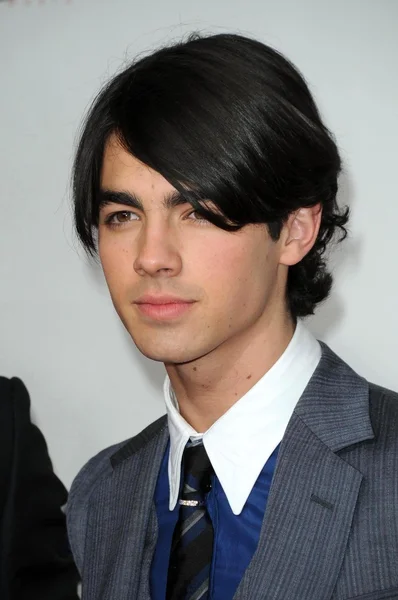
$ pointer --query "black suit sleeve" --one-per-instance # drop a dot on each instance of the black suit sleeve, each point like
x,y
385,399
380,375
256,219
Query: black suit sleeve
x,y
36,560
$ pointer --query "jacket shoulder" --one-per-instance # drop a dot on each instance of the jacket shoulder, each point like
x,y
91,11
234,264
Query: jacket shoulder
x,y
94,472
14,390
379,393
14,413
383,404
5,388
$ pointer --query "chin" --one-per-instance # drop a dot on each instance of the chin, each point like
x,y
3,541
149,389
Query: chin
x,y
167,355
176,346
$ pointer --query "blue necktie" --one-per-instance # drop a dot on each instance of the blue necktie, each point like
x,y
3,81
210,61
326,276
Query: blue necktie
x,y
192,545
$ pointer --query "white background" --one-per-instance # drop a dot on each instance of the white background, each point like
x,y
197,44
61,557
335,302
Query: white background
x,y
58,331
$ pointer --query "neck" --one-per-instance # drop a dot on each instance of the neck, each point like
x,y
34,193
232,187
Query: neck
x,y
207,387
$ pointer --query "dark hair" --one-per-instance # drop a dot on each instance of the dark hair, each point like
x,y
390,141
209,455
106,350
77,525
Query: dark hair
x,y
228,119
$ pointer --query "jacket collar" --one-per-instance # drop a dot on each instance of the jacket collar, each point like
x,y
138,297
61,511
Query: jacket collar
x,y
138,442
335,403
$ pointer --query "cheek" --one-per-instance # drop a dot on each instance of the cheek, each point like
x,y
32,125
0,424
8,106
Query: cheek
x,y
116,262
234,272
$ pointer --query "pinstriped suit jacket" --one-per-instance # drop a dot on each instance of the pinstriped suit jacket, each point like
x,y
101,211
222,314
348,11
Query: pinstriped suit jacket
x,y
330,530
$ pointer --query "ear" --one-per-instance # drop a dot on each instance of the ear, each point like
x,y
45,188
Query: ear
x,y
299,234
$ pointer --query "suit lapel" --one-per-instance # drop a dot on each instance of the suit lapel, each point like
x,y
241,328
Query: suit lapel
x,y
306,524
314,492
122,509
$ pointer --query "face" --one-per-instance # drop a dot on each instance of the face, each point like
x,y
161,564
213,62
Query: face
x,y
182,287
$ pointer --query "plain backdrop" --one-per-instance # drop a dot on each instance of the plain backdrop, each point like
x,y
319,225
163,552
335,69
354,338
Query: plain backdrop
x,y
58,330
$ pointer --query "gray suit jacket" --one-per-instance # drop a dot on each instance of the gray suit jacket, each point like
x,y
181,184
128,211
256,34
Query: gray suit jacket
x,y
330,530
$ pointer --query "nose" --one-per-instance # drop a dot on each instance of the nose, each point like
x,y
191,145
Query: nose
x,y
157,252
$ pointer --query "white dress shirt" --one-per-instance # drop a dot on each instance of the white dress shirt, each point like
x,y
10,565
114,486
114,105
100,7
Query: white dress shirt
x,y
241,441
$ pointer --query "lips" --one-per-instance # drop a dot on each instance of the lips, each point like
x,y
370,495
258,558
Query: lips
x,y
148,299
163,307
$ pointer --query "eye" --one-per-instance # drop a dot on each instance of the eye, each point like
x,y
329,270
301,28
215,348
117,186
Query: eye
x,y
120,218
194,215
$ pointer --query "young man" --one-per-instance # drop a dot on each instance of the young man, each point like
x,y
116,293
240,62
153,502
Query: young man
x,y
207,182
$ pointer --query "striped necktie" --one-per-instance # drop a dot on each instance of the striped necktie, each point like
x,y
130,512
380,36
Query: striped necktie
x,y
192,544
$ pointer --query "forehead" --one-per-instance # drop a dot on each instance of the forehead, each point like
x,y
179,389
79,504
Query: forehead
x,y
123,171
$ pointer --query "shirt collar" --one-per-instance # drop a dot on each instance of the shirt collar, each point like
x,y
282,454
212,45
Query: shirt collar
x,y
241,441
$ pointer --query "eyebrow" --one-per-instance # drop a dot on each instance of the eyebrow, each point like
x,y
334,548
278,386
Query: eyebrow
x,y
106,197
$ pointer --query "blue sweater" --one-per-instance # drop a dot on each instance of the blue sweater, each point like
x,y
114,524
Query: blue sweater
x,y
235,536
